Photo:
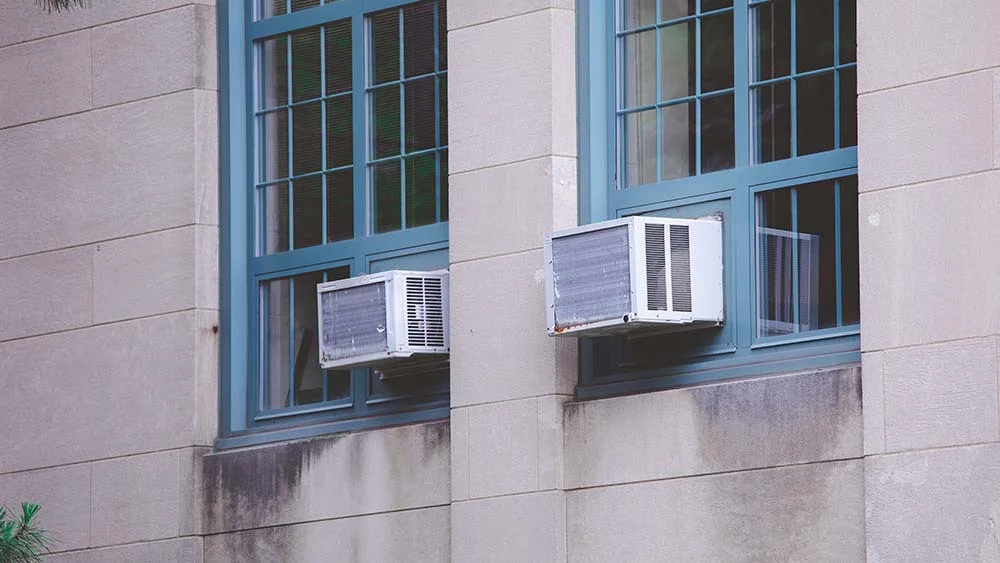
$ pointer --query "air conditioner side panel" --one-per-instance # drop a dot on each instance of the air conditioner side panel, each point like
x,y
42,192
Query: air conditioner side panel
x,y
707,270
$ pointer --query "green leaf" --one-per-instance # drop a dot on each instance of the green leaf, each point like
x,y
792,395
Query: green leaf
x,y
58,6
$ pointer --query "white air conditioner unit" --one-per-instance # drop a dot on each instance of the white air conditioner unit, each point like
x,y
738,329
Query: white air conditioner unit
x,y
638,272
395,321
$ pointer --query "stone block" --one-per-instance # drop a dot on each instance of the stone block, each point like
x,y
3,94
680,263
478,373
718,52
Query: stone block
x,y
932,35
46,293
180,550
64,496
500,349
389,469
44,78
98,392
873,401
206,157
206,377
145,275
460,454
539,195
136,498
98,175
745,424
932,506
183,41
921,246
948,138
465,14
811,512
503,102
941,395
530,527
27,21
551,449
503,448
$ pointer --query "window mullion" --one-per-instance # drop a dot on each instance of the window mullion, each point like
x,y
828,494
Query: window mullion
x,y
362,133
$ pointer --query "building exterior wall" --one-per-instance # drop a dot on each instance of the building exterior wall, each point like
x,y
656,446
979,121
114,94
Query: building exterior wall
x,y
109,282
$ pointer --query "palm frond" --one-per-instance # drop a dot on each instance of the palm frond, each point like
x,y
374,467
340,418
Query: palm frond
x,y
60,5
21,541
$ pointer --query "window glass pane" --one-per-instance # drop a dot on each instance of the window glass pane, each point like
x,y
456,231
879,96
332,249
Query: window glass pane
x,y
272,204
306,75
385,125
814,34
387,198
677,123
385,46
443,165
303,4
772,39
443,108
639,69
814,106
273,55
442,8
848,31
717,52
418,39
340,205
271,8
718,137
799,238
639,13
307,206
338,57
677,61
339,132
673,9
307,138
851,292
710,5
275,388
420,129
772,120
272,145
848,107
639,133
421,196
307,376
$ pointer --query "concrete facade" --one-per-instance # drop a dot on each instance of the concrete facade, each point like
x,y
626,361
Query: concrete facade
x,y
109,284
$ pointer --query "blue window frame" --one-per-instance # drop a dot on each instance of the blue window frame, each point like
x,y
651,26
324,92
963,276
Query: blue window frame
x,y
334,121
739,108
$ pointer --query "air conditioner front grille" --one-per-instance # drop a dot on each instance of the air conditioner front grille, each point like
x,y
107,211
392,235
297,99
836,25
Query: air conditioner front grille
x,y
680,267
656,268
354,321
590,277
425,312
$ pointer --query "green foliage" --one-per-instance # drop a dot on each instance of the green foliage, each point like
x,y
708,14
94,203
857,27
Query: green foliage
x,y
58,6
21,541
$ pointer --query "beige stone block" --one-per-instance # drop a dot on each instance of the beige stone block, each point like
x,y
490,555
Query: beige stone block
x,y
920,133
417,536
941,395
136,498
502,103
24,21
529,527
809,513
468,13
539,195
933,506
745,424
154,54
206,377
499,347
190,504
942,38
388,469
460,454
98,392
180,550
98,175
873,400
550,441
929,262
206,157
63,493
44,78
503,448
46,293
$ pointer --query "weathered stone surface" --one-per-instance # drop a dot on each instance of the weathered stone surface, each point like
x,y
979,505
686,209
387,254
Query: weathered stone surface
x,y
530,527
136,498
58,66
873,399
64,496
503,448
180,550
46,292
465,14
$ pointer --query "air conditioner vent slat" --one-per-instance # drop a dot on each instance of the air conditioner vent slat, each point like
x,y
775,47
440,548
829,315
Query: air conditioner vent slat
x,y
656,268
680,267
424,312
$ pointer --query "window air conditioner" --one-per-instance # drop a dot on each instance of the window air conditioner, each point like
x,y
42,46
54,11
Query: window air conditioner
x,y
634,273
395,321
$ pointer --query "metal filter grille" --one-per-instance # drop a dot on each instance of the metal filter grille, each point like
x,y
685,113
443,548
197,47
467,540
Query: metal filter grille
x,y
590,277
354,321
424,312
680,267
656,268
